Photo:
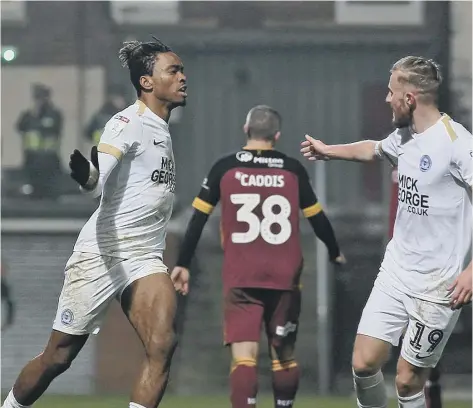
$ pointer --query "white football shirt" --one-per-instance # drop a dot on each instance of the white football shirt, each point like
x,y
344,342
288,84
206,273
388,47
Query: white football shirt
x,y
433,229
138,195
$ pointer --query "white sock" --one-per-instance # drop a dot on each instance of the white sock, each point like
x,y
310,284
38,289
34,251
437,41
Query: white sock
x,y
414,401
11,402
135,405
370,391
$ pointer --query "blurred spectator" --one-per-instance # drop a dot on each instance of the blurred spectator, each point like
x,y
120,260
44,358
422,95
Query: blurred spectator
x,y
115,102
41,128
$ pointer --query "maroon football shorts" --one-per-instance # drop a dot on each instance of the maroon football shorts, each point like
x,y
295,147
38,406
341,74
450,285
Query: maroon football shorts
x,y
246,309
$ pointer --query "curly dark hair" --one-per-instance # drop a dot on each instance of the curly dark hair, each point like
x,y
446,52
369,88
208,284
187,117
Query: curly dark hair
x,y
140,57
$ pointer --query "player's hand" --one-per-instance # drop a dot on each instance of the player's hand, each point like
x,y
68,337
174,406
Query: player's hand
x,y
314,149
80,166
340,260
180,278
461,290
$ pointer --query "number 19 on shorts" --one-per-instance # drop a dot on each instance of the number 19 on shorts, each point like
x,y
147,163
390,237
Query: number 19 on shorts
x,y
245,214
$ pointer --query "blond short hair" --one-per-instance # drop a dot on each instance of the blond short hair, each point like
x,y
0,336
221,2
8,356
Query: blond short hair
x,y
422,73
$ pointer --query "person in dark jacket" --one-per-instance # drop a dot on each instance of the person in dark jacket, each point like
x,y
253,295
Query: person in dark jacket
x,y
41,132
114,103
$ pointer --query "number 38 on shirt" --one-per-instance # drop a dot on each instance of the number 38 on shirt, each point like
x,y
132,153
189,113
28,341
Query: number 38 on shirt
x,y
264,227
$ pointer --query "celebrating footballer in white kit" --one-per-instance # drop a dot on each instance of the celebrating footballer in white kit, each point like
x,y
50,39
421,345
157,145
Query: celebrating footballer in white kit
x,y
128,228
119,252
425,276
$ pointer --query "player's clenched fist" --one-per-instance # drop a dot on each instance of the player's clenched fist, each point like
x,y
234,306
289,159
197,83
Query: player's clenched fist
x,y
180,278
314,149
83,171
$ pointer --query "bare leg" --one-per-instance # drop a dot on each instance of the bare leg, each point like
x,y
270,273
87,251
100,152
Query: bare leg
x,y
150,305
410,382
57,357
369,356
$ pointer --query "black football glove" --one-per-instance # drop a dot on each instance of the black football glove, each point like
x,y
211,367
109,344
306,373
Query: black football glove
x,y
80,166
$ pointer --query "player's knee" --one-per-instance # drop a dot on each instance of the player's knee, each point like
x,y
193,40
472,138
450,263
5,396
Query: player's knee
x,y
161,347
365,363
244,350
408,382
281,352
57,361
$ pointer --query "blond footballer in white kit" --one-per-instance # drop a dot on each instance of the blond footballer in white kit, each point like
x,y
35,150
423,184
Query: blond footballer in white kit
x,y
431,240
119,252
426,273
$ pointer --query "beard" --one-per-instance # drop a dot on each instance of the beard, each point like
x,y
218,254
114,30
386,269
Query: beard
x,y
403,120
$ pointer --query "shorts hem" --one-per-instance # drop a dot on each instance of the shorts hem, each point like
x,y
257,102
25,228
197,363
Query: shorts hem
x,y
227,343
133,279
71,331
378,337
124,257
416,363
264,287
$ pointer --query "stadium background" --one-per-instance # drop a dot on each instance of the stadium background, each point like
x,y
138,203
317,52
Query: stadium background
x,y
323,65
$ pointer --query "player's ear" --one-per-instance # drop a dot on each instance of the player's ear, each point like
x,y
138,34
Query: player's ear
x,y
410,100
277,136
245,129
146,83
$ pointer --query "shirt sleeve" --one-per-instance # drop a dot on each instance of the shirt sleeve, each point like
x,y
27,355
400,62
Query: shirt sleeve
x,y
388,148
308,201
209,194
191,238
462,157
115,139
107,163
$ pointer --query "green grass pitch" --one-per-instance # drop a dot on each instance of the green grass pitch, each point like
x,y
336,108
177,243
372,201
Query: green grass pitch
x,y
207,402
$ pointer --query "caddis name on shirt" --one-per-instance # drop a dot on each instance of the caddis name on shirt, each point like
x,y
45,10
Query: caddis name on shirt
x,y
260,180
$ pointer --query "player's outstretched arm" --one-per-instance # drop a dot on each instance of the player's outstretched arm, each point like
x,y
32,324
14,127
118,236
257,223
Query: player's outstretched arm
x,y
363,151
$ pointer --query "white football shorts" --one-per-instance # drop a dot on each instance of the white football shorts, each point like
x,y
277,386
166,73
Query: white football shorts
x,y
91,282
389,314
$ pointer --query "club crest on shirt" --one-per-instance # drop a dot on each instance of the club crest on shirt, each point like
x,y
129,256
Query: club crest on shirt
x,y
117,127
425,163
